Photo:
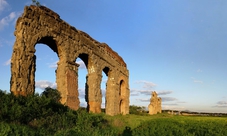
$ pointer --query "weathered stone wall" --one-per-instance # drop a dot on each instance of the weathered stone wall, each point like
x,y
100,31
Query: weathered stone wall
x,y
155,105
41,25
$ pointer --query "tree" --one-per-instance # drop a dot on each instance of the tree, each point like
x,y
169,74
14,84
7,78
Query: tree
x,y
51,93
34,2
136,109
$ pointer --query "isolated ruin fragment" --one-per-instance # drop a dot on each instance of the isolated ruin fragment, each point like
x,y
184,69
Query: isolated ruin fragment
x,y
155,105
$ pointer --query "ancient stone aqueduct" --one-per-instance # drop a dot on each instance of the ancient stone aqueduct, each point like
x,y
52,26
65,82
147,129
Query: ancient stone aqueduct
x,y
41,25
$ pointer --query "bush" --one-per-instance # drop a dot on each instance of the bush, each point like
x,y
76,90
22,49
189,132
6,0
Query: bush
x,y
44,115
52,94
137,110
15,130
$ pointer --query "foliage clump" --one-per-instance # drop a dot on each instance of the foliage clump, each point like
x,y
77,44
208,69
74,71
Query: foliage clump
x,y
137,110
45,115
35,2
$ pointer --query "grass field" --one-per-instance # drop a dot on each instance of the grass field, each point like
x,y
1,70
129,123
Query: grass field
x,y
166,124
43,115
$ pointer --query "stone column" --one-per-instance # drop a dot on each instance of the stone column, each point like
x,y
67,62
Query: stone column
x,y
72,86
93,92
67,83
22,68
127,95
111,100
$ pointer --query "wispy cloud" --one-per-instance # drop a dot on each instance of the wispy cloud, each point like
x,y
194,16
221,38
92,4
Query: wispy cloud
x,y
8,42
83,104
196,81
145,92
104,80
53,65
134,92
221,104
167,99
81,93
8,19
3,5
7,62
81,63
199,70
164,92
173,107
143,100
169,104
42,84
146,84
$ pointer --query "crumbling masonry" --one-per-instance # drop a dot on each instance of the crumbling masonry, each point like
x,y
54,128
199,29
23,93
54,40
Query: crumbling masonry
x,y
41,25
155,105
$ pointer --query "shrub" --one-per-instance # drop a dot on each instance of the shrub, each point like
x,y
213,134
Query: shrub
x,y
137,110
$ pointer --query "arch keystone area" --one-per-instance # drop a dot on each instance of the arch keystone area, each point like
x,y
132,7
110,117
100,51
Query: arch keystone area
x,y
42,25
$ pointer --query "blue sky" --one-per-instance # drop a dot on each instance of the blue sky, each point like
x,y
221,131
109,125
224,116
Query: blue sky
x,y
176,47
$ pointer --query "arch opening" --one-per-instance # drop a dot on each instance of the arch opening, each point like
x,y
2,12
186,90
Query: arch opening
x,y
122,91
49,41
82,60
105,78
46,58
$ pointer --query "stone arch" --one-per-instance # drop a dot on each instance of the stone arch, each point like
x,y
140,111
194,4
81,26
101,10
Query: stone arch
x,y
42,25
24,57
121,94
107,72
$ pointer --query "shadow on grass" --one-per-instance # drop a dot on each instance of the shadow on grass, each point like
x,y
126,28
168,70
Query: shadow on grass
x,y
127,131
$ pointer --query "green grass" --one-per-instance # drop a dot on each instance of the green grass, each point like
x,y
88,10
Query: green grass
x,y
166,124
43,115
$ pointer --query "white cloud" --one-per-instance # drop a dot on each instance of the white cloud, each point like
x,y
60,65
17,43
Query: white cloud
x,y
221,104
53,65
134,92
173,107
104,80
83,104
146,84
145,92
169,104
167,99
199,70
143,100
3,5
42,84
4,42
164,92
81,93
81,63
196,81
8,19
7,62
